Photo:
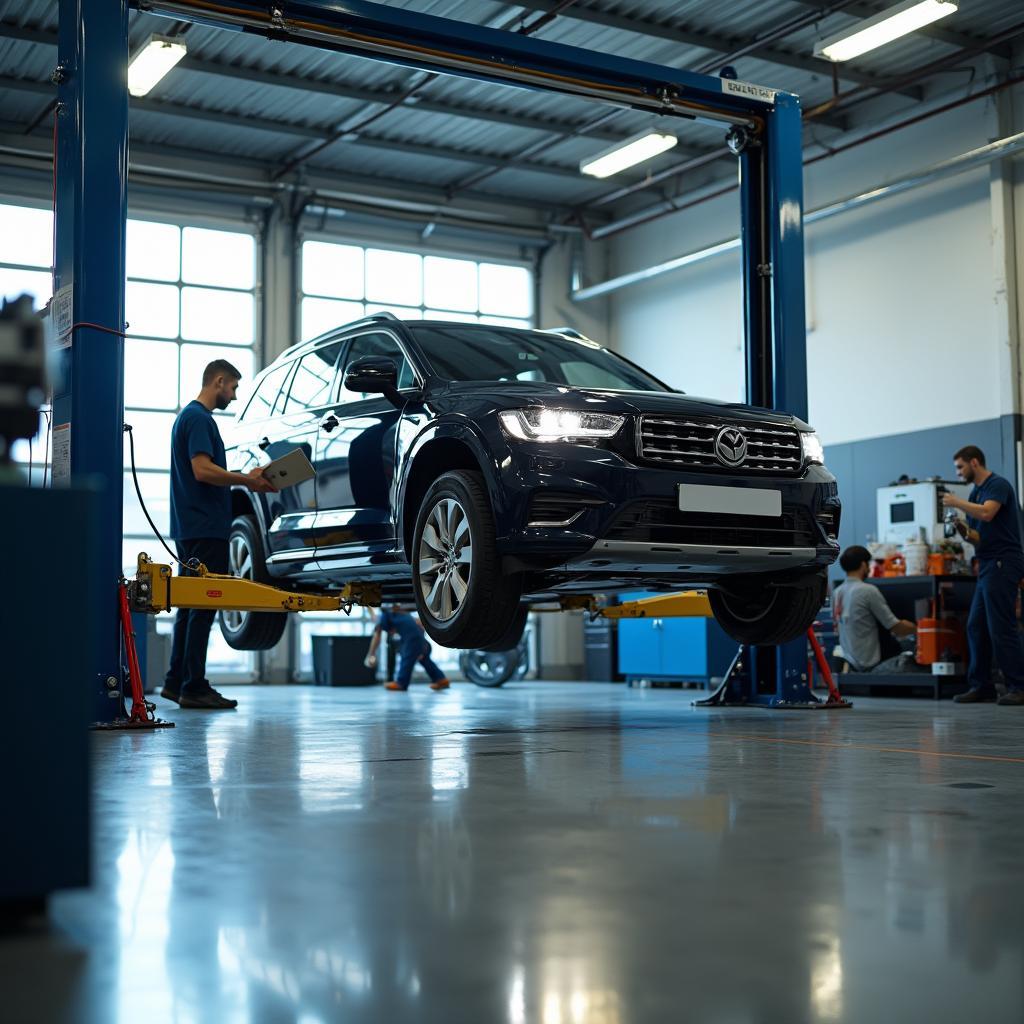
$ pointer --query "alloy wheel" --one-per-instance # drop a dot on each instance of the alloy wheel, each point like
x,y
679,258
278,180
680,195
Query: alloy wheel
x,y
239,564
445,559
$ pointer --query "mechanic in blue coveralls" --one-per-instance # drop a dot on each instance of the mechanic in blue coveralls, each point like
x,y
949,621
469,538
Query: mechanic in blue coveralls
x,y
413,648
993,527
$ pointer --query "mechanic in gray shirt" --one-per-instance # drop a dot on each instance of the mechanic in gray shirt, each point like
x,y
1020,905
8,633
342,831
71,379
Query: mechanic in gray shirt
x,y
866,623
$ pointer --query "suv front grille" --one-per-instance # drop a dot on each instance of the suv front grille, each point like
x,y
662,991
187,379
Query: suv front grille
x,y
658,521
690,443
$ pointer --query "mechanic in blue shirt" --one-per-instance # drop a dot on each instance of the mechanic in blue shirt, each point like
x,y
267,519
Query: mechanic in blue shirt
x,y
413,648
200,524
993,527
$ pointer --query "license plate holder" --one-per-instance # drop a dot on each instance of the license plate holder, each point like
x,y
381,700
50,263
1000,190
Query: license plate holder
x,y
730,501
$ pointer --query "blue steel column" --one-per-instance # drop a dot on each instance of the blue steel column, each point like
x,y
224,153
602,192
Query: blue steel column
x,y
754,228
91,203
785,208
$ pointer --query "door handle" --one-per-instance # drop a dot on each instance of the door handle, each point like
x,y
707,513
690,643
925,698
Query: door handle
x,y
329,423
264,443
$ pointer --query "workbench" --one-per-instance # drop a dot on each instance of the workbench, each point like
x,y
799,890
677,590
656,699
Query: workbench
x,y
904,594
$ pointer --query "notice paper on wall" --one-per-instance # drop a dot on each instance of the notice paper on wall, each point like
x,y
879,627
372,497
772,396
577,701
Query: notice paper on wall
x,y
61,316
62,455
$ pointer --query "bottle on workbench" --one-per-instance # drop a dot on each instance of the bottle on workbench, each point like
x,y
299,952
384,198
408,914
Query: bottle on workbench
x,y
916,552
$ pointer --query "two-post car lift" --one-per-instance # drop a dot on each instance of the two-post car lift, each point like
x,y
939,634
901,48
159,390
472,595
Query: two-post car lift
x,y
762,127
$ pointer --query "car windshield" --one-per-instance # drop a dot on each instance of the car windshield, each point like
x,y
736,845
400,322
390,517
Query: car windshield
x,y
465,353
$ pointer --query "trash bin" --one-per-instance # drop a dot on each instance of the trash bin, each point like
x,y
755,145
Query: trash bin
x,y
338,661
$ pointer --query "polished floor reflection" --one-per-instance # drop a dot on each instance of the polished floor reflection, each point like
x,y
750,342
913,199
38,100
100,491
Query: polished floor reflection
x,y
560,854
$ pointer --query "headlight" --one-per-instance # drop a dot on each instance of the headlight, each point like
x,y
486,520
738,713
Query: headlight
x,y
558,424
812,448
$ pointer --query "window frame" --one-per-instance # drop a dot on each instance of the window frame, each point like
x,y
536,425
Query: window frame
x,y
342,344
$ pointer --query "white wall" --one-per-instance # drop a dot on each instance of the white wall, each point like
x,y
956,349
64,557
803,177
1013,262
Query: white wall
x,y
902,299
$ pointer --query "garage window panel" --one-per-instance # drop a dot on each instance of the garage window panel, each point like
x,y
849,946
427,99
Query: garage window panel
x,y
153,251
17,281
152,310
26,236
450,283
505,290
156,494
322,315
173,311
411,286
150,374
333,271
152,434
221,258
394,277
226,317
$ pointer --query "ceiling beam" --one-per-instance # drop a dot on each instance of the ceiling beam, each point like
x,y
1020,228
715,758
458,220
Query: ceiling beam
x,y
939,32
708,41
339,90
277,127
255,176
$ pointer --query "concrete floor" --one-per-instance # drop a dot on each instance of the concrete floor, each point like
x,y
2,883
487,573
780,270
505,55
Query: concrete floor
x,y
552,853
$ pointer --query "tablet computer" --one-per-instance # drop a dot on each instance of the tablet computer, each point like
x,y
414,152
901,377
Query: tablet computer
x,y
289,470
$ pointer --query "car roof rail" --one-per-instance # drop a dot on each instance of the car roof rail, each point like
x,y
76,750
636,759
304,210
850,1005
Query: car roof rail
x,y
570,332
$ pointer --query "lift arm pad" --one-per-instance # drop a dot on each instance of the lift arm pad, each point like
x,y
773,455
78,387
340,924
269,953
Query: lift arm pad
x,y
690,604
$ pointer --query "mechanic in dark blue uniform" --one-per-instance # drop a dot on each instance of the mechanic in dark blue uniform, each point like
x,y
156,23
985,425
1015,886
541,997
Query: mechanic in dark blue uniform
x,y
413,648
201,524
993,527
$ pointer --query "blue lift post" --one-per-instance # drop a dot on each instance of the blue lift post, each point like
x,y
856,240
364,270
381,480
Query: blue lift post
x,y
91,204
765,125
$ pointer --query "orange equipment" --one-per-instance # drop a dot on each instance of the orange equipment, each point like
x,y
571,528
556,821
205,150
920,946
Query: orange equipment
x,y
894,565
939,640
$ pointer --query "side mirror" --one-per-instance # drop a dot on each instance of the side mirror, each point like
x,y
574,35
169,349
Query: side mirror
x,y
372,374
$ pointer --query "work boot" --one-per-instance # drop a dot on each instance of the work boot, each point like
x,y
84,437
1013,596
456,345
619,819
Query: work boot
x,y
170,694
1012,698
209,700
975,697
440,684
395,688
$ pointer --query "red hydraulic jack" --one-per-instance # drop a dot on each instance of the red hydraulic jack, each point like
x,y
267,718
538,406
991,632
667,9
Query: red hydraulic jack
x,y
142,714
835,699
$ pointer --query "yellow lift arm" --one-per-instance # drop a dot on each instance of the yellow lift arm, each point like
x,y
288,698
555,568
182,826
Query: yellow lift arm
x,y
689,604
156,589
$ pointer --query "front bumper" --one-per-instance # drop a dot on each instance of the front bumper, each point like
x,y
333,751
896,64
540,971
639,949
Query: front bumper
x,y
627,522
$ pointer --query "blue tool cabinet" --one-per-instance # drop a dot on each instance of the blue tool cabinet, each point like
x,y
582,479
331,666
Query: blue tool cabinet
x,y
684,650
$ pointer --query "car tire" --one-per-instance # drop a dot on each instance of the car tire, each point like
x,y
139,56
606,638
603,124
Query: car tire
x,y
247,558
463,599
490,669
511,637
772,615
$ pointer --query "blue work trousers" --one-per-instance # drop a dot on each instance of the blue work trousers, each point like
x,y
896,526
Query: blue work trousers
x,y
992,625
409,656
187,671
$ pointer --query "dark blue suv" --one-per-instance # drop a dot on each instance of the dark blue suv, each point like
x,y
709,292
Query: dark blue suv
x,y
478,469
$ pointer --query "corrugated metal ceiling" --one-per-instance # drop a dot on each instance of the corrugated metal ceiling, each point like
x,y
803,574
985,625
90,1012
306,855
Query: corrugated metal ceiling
x,y
242,96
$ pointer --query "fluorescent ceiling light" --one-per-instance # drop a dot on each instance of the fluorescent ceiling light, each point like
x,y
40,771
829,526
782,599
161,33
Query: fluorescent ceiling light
x,y
625,154
152,62
883,28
